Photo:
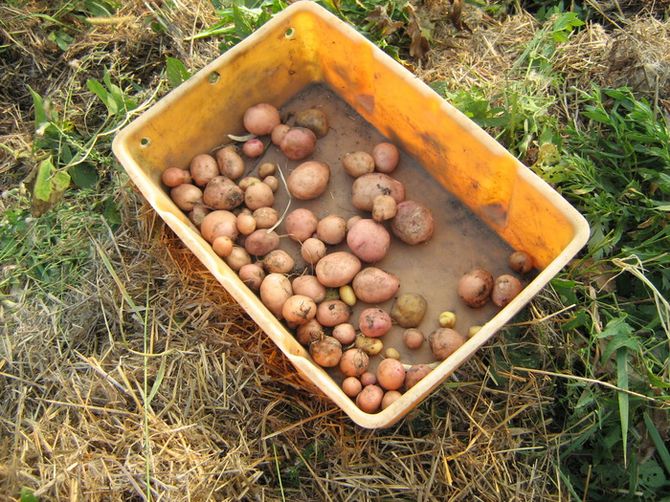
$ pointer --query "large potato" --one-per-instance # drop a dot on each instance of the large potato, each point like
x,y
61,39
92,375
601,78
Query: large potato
x,y
367,187
308,180
261,119
368,240
261,242
275,290
309,285
258,195
222,193
300,224
186,196
203,168
413,223
337,269
332,229
219,223
299,309
298,143
374,322
373,285
230,163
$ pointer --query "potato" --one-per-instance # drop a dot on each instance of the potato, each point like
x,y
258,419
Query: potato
x,y
261,119
312,250
309,285
198,214
413,338
371,346
368,240
352,221
392,353
367,187
358,163
275,290
219,223
473,330
345,333
326,352
415,373
222,193
368,378
173,177
391,374
475,287
505,288
186,196
444,342
389,398
347,295
308,180
413,223
246,223
351,386
230,163
386,157
314,120
354,362
272,182
300,224
237,258
370,399
330,313
309,332
253,148
299,309
519,261
222,246
267,169
247,181
252,275
384,208
279,132
203,168
373,285
261,242
258,195
278,261
266,217
337,269
408,310
298,143
374,322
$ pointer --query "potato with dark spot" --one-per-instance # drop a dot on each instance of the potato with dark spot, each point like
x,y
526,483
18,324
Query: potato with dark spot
x,y
444,342
413,223
520,262
368,240
309,180
357,164
309,285
298,143
186,196
354,363
300,224
252,275
222,246
173,177
230,163
248,181
237,258
475,287
408,310
222,193
261,119
275,290
314,120
337,269
367,187
505,288
371,346
326,352
261,242
370,399
265,217
258,195
373,285
332,312
374,322
299,309
309,332
198,214
219,223
415,374
203,168
278,261
384,208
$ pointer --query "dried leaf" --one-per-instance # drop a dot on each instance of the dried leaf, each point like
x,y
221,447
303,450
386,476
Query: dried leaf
x,y
242,139
419,45
382,22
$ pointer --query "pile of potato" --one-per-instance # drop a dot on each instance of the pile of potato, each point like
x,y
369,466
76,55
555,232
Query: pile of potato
x,y
235,215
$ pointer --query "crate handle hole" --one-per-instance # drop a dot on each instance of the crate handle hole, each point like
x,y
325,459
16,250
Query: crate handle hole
x,y
289,33
145,142
213,77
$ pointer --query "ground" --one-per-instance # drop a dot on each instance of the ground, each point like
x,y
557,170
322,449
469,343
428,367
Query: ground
x,y
127,372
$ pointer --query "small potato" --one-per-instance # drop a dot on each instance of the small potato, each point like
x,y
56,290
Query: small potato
x,y
413,338
267,169
408,310
300,224
246,223
258,195
345,333
309,332
314,120
309,180
203,168
299,309
368,378
326,352
415,373
337,269
219,223
237,258
447,319
330,313
392,353
222,193
331,229
384,208
519,261
370,399
298,143
374,322
222,246
186,196
354,362
261,242
312,250
351,386
274,291
347,295
252,275
230,163
386,157
367,187
444,342
173,177
505,288
389,398
278,261
352,221
266,217
413,223
309,285
391,374
198,214
373,285
247,181
253,148
261,119
475,287
272,182
369,240
371,346
358,163
473,330
279,132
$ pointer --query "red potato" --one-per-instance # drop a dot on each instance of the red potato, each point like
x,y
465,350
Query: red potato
x,y
326,352
413,223
261,119
332,312
279,132
444,342
373,285
253,148
391,374
230,163
186,196
237,258
475,287
368,378
219,223
314,120
331,229
258,195
370,399
309,285
298,143
274,291
337,269
266,217
222,246
368,240
345,333
278,261
203,168
309,332
367,187
386,157
505,288
252,275
415,373
299,309
357,164
520,262
261,242
173,177
389,398
351,386
413,338
374,322
354,362
309,180
312,250
300,224
222,193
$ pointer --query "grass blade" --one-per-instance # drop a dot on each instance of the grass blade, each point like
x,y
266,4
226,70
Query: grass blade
x,y
622,397
656,438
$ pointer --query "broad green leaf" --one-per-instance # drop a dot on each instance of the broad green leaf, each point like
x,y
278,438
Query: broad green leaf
x,y
111,213
27,495
43,189
99,90
176,72
84,175
60,181
622,397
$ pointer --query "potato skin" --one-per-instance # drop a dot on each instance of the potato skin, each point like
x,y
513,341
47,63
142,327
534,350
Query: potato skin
x,y
186,196
408,310
173,177
230,163
331,229
298,143
299,309
309,285
373,285
367,187
237,258
265,217
309,180
444,342
279,132
253,148
351,386
354,363
314,120
219,223
309,332
300,224
252,275
391,374
222,193
371,346
198,214
520,262
278,261
332,312
337,269
370,398
326,352
415,373
374,322
368,240
261,242
203,168
274,291
413,223
312,250
389,398
505,288
258,195
413,338
475,287
357,164
261,119
386,157
345,333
